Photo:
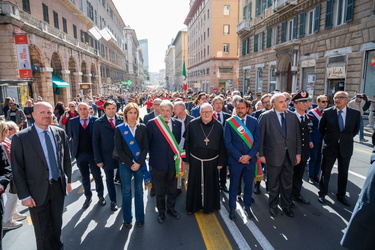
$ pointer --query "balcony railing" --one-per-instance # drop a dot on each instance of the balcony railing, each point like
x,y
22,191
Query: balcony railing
x,y
244,26
284,4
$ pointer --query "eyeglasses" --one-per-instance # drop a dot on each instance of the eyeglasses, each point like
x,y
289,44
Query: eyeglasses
x,y
72,106
203,98
266,102
339,97
206,112
324,101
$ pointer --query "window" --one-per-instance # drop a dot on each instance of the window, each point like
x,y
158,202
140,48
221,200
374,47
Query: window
x,y
45,13
269,37
312,21
90,11
302,17
259,42
339,12
207,71
226,10
65,27
283,31
225,70
208,14
256,41
226,47
26,6
208,32
75,31
55,20
226,29
272,81
259,80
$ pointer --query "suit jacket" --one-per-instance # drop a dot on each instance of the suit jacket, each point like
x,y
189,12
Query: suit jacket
x,y
226,116
123,151
74,125
237,147
148,117
274,143
257,113
29,165
195,111
161,154
358,233
103,141
336,142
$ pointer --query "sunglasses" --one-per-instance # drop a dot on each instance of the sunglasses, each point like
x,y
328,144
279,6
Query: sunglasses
x,y
324,101
10,129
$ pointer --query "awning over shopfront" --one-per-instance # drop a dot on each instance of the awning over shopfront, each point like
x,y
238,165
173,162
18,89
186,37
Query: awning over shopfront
x,y
58,82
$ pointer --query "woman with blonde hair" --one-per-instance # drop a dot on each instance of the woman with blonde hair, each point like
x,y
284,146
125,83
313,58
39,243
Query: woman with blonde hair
x,y
13,128
131,147
11,217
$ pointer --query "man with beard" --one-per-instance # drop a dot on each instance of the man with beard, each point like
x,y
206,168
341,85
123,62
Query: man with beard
x,y
205,152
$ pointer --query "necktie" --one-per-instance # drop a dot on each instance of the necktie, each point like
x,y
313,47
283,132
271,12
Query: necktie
x,y
341,121
243,121
283,123
51,157
302,120
219,117
111,122
84,123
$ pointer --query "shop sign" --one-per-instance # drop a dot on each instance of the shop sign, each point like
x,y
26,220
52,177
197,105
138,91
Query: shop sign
x,y
308,63
85,86
336,72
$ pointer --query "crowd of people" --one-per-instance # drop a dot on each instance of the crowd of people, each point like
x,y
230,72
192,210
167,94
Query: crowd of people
x,y
196,140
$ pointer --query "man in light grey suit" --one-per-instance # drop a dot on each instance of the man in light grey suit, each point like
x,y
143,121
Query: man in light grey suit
x,y
281,149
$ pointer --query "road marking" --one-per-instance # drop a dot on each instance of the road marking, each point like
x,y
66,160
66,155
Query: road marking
x,y
363,151
29,221
354,173
233,229
212,233
259,236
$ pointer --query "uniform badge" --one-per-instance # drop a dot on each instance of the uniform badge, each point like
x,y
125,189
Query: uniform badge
x,y
138,153
131,142
126,132
303,94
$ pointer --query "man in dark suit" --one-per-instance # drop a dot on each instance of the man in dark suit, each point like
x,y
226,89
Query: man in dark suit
x,y
339,124
81,130
241,158
266,102
281,150
162,160
218,104
179,110
154,113
103,145
42,174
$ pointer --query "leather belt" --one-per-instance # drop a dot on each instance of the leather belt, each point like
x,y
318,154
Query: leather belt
x,y
52,181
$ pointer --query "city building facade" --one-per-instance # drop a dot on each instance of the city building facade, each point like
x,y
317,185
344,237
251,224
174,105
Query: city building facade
x,y
318,46
212,45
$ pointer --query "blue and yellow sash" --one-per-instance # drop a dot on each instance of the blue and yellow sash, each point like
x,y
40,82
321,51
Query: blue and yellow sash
x,y
136,151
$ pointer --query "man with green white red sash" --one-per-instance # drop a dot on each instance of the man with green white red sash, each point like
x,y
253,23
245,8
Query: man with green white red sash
x,y
164,134
242,140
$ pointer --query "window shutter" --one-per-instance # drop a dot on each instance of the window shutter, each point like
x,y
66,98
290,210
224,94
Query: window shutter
x,y
269,3
302,17
349,11
295,25
244,47
257,7
262,45
244,13
269,37
249,10
255,43
317,18
264,2
329,13
283,31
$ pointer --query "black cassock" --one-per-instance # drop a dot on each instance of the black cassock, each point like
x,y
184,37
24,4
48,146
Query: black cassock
x,y
213,153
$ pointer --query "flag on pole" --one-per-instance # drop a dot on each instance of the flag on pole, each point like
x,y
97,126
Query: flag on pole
x,y
184,83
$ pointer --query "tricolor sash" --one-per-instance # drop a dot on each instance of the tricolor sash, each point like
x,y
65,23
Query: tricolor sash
x,y
317,113
136,151
178,153
248,138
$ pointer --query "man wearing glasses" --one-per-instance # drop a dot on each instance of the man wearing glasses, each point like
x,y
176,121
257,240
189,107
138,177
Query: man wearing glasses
x,y
339,124
316,139
202,98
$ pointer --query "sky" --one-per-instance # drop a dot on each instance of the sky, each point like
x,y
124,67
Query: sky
x,y
158,21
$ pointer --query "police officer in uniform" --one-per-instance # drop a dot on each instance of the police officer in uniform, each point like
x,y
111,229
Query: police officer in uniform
x,y
301,104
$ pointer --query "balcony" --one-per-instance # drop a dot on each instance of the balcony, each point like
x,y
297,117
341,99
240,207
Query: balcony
x,y
243,26
283,5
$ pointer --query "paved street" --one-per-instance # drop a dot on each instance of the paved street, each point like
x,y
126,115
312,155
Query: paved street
x,y
314,226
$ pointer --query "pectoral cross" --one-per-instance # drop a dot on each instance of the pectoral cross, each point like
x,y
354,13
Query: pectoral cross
x,y
206,141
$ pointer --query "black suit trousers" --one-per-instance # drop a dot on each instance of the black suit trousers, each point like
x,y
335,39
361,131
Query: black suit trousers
x,y
47,219
298,171
165,183
343,169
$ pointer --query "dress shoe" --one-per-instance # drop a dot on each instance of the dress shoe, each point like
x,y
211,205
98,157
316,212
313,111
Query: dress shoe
x,y
128,225
140,223
102,201
273,211
232,214
322,200
302,200
288,212
292,205
161,218
225,189
86,204
173,213
249,214
152,192
114,206
311,180
343,201
257,188
238,199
